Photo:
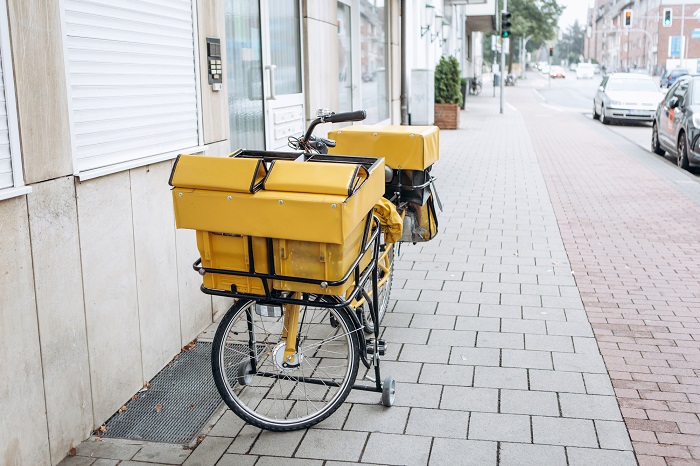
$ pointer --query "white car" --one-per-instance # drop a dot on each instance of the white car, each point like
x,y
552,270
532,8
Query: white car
x,y
585,71
626,96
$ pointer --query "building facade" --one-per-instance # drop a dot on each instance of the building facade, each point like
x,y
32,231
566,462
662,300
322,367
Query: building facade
x,y
98,98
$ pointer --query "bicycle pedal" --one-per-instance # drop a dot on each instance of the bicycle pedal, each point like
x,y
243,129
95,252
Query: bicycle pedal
x,y
381,346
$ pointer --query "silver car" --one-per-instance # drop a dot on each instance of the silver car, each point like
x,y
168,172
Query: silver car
x,y
626,96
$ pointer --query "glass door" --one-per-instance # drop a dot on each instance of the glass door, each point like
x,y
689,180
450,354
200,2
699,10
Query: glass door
x,y
345,78
284,97
244,74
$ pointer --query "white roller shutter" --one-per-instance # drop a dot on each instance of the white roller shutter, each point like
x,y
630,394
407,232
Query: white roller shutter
x,y
131,72
6,180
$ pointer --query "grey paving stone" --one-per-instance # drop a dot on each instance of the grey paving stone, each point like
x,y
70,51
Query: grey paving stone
x,y
277,443
499,340
598,384
539,313
529,402
396,319
475,356
499,427
523,454
440,296
563,431
500,377
446,276
238,460
244,441
394,335
162,453
589,406
397,449
414,307
275,461
478,323
519,278
418,395
480,277
447,374
576,315
566,303
109,448
401,371
521,299
588,456
377,419
511,288
425,353
613,435
433,322
469,399
78,461
479,298
438,423
332,445
137,463
586,345
336,420
500,310
105,462
410,274
561,280
574,329
228,425
542,290
423,265
523,326
462,452
458,309
423,284
526,358
452,337
578,362
208,452
560,344
472,287
553,381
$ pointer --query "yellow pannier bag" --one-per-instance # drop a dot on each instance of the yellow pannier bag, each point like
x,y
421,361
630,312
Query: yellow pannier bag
x,y
403,147
310,215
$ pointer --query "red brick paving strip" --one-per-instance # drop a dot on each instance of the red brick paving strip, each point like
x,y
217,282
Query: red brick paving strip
x,y
634,246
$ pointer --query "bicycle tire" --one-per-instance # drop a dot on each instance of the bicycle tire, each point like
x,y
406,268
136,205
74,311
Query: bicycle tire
x,y
285,400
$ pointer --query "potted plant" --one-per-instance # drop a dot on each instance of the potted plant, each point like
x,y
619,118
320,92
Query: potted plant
x,y
448,95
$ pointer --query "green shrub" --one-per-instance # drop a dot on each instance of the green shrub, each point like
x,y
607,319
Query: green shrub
x,y
447,82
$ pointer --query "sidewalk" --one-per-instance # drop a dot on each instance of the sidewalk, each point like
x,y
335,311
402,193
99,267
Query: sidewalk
x,y
489,341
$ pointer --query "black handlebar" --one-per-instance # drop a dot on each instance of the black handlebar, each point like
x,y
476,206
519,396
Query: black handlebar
x,y
358,115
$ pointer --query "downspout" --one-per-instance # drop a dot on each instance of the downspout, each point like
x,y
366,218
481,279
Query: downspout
x,y
404,77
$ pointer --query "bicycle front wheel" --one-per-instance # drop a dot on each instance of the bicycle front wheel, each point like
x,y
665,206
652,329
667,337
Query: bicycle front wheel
x,y
255,380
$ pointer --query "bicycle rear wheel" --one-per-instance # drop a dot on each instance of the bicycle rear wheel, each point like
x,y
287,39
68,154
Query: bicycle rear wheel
x,y
255,382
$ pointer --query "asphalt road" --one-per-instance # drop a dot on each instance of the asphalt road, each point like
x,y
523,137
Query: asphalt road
x,y
574,95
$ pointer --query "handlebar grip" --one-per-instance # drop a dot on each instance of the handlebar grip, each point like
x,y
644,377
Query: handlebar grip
x,y
358,115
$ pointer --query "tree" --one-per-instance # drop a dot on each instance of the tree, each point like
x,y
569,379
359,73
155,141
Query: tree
x,y
570,47
536,18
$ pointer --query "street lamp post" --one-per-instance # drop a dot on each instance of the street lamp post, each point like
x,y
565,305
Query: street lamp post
x,y
503,55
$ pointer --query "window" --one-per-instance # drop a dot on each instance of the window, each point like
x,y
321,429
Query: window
x,y
132,77
374,60
11,181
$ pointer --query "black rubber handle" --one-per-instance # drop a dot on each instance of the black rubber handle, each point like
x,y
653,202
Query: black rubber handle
x,y
359,115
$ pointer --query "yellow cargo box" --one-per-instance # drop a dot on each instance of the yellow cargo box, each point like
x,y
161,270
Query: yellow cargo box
x,y
314,214
403,147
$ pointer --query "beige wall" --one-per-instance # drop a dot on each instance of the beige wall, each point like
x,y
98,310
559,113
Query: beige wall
x,y
42,102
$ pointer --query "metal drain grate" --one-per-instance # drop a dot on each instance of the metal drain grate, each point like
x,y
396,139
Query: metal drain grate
x,y
187,397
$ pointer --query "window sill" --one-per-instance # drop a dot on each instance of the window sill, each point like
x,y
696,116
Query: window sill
x,y
7,193
142,162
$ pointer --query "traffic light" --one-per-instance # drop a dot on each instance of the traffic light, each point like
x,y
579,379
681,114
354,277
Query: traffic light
x,y
628,18
551,51
668,17
505,24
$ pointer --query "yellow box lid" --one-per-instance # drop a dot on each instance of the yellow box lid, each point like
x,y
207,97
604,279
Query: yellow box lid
x,y
403,147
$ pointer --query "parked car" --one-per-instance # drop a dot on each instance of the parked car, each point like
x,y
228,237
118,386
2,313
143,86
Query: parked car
x,y
626,96
671,76
572,67
544,69
557,72
596,68
676,125
584,71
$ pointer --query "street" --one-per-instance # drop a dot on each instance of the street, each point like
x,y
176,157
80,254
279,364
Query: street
x,y
576,96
